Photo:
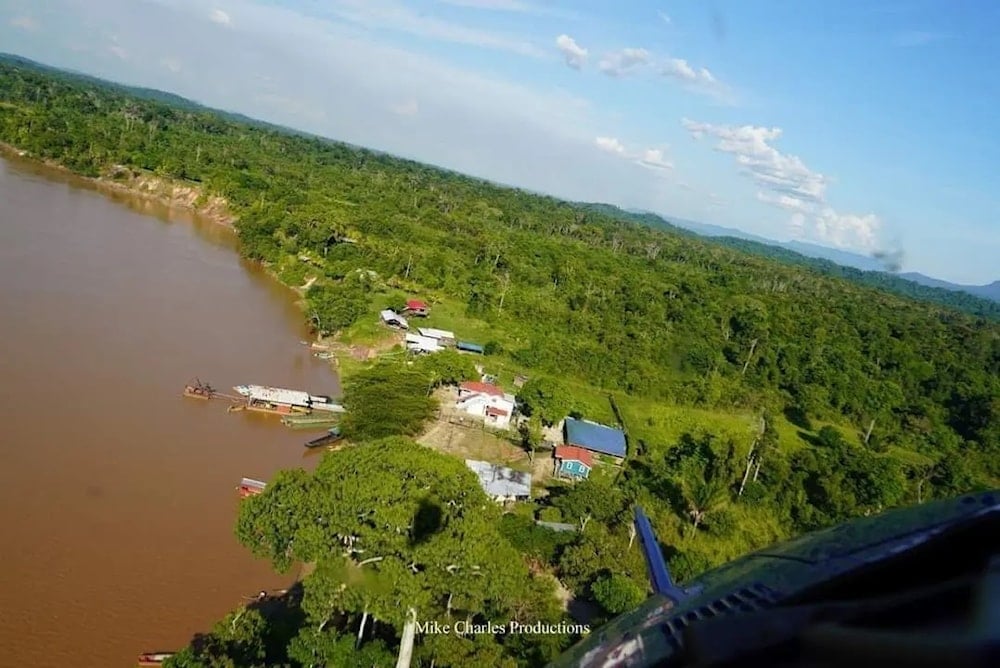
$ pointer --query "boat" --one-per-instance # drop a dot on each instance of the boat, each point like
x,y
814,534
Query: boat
x,y
199,390
332,436
283,401
154,658
251,487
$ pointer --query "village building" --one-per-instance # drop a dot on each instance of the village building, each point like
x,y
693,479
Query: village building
x,y
393,319
500,483
573,462
466,347
417,308
422,344
488,402
597,438
442,336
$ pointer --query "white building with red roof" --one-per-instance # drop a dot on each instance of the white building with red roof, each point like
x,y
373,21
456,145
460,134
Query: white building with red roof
x,y
486,401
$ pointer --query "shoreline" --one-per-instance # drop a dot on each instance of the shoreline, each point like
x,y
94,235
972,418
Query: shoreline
x,y
133,182
191,198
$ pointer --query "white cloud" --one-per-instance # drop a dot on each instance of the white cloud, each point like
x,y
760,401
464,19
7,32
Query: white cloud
x,y
789,184
665,18
699,80
408,108
118,51
848,230
171,64
610,145
574,54
651,158
24,23
621,62
220,17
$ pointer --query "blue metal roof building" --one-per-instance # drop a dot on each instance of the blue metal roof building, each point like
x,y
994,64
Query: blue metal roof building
x,y
595,437
470,347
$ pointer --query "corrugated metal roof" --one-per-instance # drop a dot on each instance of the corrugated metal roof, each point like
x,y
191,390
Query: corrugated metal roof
x,y
571,452
277,395
424,343
481,388
389,315
499,480
436,333
471,347
595,437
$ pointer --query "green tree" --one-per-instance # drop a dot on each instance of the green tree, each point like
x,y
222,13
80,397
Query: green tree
x,y
547,398
385,400
617,593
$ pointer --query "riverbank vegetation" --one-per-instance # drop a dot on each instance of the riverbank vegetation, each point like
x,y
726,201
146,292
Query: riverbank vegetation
x,y
760,399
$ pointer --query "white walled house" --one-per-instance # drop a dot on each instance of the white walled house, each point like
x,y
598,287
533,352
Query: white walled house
x,y
488,402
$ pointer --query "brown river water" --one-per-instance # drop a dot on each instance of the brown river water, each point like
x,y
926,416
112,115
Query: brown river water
x,y
117,495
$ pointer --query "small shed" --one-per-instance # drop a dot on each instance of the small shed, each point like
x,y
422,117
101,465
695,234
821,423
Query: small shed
x,y
501,483
443,336
573,462
596,438
417,308
422,344
393,319
466,347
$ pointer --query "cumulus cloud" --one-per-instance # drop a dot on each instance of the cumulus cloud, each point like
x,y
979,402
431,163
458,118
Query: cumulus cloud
x,y
621,62
697,79
651,158
610,145
220,17
574,54
24,23
789,184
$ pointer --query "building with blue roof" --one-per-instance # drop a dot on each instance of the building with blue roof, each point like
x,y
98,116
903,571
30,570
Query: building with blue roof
x,y
595,437
468,347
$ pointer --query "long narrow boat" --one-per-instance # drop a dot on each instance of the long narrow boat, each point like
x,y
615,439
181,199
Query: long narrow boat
x,y
154,658
329,438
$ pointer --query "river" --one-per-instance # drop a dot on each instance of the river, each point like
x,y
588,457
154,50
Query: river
x,y
117,495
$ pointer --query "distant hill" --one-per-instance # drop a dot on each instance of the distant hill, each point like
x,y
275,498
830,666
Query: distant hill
x,y
862,263
990,291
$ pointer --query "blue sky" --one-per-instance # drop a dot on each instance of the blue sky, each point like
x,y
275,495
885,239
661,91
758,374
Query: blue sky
x,y
862,125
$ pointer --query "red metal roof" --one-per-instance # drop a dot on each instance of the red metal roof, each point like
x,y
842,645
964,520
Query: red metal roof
x,y
570,452
416,304
493,411
481,388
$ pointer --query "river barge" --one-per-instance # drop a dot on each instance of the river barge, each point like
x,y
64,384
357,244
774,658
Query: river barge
x,y
199,390
153,658
285,402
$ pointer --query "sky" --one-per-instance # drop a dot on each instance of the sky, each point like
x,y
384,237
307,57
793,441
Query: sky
x,y
864,125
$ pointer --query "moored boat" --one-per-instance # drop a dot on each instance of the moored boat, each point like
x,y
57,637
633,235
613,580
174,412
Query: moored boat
x,y
329,438
154,658
251,487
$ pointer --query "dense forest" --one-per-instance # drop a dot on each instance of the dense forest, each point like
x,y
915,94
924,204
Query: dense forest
x,y
760,399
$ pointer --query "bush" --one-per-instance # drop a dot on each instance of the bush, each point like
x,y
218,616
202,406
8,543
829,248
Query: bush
x,y
685,566
550,514
721,523
617,593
